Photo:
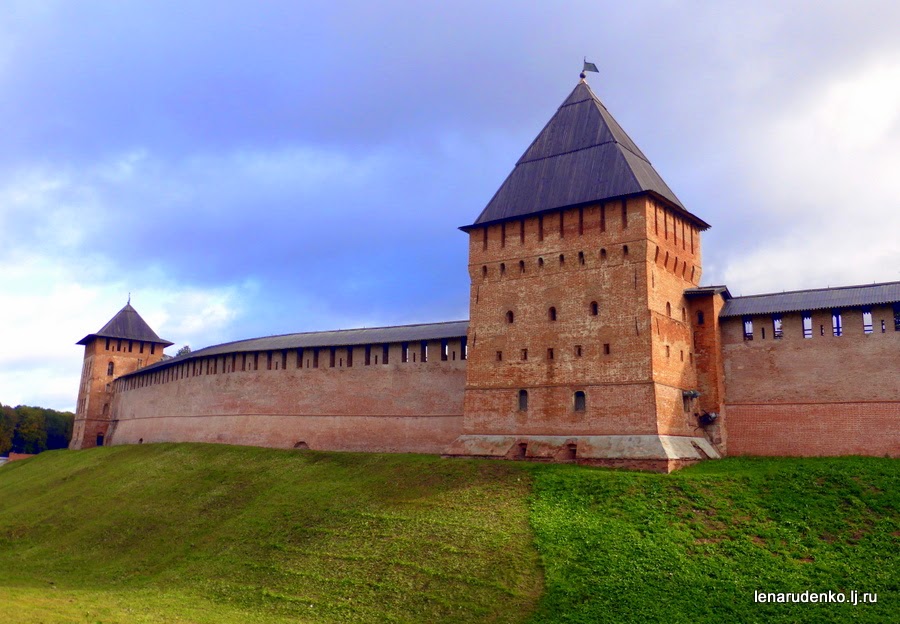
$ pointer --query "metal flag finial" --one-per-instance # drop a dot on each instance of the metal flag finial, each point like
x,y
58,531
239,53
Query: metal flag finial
x,y
129,298
588,67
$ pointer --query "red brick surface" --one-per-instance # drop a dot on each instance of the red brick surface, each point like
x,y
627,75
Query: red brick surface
x,y
399,407
825,395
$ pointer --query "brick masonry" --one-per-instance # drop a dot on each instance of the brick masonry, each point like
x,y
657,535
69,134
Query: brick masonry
x,y
254,399
823,395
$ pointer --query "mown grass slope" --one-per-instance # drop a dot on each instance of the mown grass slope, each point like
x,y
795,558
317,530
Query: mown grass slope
x,y
693,546
203,533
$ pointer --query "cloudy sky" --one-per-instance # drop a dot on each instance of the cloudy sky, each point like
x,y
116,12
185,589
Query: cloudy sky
x,y
245,169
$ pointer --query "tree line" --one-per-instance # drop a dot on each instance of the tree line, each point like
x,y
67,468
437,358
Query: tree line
x,y
25,429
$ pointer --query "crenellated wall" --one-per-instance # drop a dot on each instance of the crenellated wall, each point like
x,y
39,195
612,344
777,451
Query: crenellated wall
x,y
332,398
824,394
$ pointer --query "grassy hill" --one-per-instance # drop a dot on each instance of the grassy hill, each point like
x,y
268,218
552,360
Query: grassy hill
x,y
203,533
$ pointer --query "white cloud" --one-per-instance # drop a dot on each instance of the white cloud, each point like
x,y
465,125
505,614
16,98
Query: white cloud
x,y
825,179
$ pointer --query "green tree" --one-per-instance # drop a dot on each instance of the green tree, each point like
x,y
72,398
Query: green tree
x,y
59,428
8,420
183,350
31,432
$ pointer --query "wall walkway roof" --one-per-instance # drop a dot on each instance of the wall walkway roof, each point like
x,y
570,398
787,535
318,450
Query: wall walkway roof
x,y
334,338
817,299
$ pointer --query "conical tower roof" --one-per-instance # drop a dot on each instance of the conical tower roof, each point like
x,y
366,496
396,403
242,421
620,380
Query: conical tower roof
x,y
581,156
129,325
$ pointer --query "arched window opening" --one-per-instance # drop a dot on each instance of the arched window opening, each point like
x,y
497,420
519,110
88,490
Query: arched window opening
x,y
595,309
668,309
624,250
509,316
580,401
603,255
502,268
521,266
580,257
540,263
700,318
523,400
562,259
551,313
484,271
110,368
99,439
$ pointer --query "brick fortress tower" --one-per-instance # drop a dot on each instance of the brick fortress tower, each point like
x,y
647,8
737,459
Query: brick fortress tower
x,y
125,344
580,336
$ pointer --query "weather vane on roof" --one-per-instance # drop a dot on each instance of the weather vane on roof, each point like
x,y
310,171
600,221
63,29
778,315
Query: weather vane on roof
x,y
588,67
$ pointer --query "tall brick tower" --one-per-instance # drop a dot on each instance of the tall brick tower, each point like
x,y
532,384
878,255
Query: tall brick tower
x,y
580,338
123,345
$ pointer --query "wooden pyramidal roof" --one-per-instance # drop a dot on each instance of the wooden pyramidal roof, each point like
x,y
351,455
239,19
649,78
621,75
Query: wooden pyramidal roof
x,y
581,156
126,324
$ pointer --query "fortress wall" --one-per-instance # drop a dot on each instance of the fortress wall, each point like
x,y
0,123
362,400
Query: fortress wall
x,y
823,395
282,399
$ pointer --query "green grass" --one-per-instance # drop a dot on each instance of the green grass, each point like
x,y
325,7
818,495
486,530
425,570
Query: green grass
x,y
693,546
204,533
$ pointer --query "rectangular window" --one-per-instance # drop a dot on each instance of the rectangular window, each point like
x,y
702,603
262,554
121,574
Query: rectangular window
x,y
404,352
269,360
777,327
464,348
502,235
624,214
499,356
385,352
299,358
349,357
152,348
602,217
577,350
868,327
606,349
807,324
423,351
368,355
540,228
331,357
130,345
748,328
256,361
524,354
836,324
315,358
550,354
445,350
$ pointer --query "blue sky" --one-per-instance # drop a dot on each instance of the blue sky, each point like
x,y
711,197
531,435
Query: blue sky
x,y
245,169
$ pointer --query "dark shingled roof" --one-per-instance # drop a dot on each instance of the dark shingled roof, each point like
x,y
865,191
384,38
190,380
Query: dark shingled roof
x,y
818,299
581,156
129,325
708,290
334,338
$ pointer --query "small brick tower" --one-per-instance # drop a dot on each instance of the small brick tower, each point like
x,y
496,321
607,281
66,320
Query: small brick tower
x,y
123,345
580,338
